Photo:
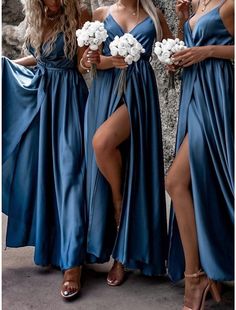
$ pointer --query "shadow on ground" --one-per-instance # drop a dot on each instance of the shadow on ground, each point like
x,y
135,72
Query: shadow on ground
x,y
28,287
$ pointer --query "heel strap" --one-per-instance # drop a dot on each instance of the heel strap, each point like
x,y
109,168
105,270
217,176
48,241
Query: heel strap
x,y
198,274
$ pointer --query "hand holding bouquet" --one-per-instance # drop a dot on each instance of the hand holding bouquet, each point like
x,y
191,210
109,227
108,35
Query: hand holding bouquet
x,y
165,51
167,48
130,50
92,34
128,47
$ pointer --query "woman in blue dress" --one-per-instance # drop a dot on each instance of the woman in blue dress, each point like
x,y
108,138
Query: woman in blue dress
x,y
43,152
200,181
124,158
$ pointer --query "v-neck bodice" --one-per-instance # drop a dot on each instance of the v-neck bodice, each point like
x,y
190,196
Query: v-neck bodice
x,y
144,32
56,58
209,29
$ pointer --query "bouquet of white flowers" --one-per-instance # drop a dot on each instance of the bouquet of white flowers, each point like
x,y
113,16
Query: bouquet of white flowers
x,y
128,47
165,50
92,34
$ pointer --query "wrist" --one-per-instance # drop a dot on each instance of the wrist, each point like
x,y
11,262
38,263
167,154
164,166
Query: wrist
x,y
112,59
210,50
84,66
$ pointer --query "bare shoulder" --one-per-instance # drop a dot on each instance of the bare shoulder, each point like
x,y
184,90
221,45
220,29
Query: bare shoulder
x,y
227,9
229,4
100,13
227,15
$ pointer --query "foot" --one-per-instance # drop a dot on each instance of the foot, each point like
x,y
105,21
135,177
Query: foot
x,y
196,288
116,275
71,283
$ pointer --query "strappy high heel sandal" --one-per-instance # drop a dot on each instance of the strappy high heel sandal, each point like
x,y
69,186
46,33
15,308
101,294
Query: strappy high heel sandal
x,y
71,283
116,275
195,300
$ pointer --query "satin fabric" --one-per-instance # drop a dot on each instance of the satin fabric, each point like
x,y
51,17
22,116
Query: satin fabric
x,y
141,242
206,115
43,157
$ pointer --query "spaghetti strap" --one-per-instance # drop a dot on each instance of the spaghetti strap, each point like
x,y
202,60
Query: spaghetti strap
x,y
109,11
221,3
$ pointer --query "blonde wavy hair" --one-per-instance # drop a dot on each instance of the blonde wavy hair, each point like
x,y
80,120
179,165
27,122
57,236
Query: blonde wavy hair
x,y
66,23
151,10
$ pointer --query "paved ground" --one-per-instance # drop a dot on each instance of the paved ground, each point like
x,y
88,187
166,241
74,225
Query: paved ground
x,y
27,287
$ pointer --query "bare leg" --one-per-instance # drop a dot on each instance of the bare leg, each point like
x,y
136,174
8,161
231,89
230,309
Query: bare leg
x,y
178,186
178,183
106,141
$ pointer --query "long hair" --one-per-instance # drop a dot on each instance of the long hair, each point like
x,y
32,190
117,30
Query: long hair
x,y
66,23
151,10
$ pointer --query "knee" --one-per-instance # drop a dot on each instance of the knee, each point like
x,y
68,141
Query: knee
x,y
175,186
169,184
102,144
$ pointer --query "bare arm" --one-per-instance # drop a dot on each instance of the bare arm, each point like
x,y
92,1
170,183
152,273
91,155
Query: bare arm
x,y
107,62
197,54
221,51
166,33
26,61
182,10
227,16
85,16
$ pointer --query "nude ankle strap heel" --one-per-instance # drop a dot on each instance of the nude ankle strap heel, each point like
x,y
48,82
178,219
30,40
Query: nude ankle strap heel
x,y
210,287
195,275
214,291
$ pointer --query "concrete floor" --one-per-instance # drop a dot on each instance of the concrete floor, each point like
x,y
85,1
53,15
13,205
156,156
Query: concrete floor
x,y
26,286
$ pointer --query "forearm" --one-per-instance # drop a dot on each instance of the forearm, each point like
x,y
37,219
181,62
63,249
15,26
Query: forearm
x,y
26,61
82,69
80,66
180,33
106,63
221,51
87,58
166,33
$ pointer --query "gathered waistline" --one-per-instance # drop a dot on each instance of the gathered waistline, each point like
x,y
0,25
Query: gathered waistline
x,y
45,67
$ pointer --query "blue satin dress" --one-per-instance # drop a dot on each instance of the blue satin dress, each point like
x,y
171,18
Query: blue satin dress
x,y
207,115
141,242
43,157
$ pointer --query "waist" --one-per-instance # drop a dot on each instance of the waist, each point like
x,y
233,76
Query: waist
x,y
55,67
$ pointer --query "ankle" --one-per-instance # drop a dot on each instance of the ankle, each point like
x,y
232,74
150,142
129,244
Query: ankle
x,y
117,203
193,273
117,212
117,263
